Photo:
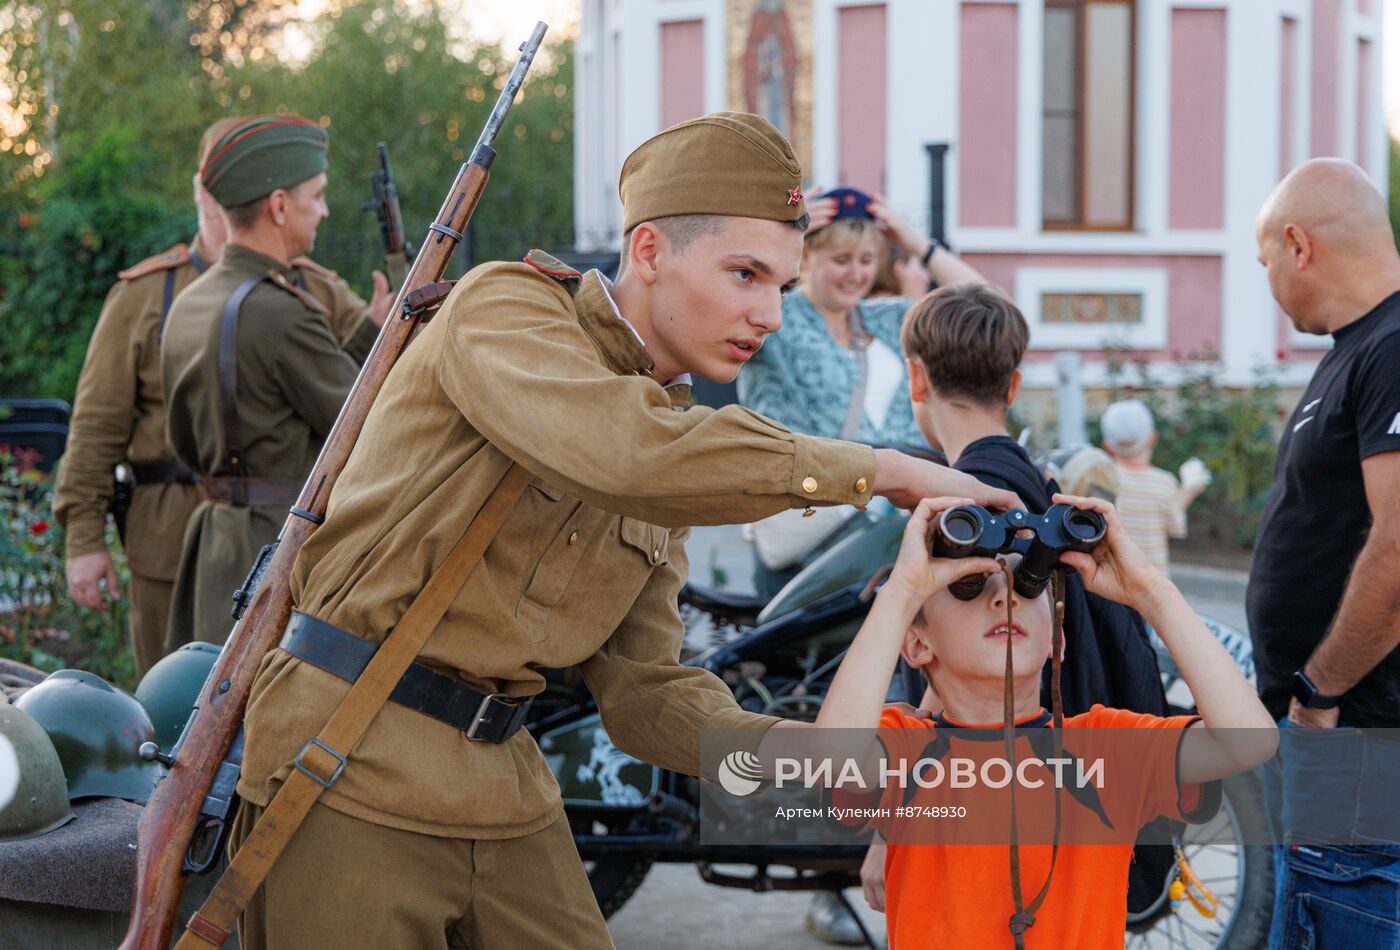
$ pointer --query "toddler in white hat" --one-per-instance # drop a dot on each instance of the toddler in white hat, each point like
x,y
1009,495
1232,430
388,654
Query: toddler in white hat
x,y
1151,502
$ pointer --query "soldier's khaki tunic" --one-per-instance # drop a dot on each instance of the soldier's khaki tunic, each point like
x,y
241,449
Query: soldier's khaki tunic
x,y
585,571
119,415
292,375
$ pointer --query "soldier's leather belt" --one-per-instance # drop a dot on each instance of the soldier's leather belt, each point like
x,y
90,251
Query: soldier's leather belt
x,y
484,717
250,492
161,473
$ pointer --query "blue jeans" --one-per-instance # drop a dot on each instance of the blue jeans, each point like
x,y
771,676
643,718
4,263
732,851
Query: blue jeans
x,y
1343,894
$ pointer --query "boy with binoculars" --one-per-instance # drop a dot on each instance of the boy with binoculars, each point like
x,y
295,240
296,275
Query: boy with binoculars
x,y
983,651
972,603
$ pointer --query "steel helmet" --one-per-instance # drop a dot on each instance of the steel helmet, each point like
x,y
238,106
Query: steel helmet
x,y
33,793
170,688
97,730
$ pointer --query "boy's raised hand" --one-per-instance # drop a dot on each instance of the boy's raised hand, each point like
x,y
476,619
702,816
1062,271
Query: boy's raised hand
x,y
1116,568
918,575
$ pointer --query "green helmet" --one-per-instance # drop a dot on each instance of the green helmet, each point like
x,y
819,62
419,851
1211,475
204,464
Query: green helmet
x,y
97,730
33,793
170,688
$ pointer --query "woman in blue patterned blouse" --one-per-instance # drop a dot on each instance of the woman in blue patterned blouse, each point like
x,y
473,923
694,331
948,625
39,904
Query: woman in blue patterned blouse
x,y
836,368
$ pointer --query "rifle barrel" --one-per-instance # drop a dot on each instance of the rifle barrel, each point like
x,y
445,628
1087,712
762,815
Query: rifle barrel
x,y
483,153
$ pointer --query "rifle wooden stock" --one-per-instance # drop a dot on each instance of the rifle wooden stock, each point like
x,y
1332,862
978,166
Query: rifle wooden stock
x,y
169,821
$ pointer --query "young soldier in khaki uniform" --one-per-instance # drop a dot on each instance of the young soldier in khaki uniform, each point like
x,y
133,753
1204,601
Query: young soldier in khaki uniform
x,y
254,372
119,415
432,837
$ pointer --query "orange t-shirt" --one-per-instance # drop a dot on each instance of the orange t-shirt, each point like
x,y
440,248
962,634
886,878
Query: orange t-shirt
x,y
959,895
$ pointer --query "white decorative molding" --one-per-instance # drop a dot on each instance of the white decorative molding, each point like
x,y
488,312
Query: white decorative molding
x,y
1150,283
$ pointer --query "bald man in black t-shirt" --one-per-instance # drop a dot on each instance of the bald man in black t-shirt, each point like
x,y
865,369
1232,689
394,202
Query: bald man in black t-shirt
x,y
1324,591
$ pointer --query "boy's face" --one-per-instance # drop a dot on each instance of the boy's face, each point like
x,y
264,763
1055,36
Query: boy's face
x,y
717,300
966,639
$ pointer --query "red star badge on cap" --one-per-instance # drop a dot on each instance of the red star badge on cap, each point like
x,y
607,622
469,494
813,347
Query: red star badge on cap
x,y
795,196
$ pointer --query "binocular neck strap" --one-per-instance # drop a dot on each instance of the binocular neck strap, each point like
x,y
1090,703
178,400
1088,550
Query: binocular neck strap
x,y
1024,917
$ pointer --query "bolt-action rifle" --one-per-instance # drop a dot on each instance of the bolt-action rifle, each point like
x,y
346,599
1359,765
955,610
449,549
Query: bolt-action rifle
x,y
184,821
398,252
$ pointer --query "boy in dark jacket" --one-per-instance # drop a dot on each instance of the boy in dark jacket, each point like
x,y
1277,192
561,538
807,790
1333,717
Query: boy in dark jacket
x,y
963,346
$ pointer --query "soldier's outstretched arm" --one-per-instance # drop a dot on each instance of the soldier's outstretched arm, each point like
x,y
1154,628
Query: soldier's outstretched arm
x,y
522,370
515,360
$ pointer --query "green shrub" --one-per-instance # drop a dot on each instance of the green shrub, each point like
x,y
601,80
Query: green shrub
x,y
1234,430
39,624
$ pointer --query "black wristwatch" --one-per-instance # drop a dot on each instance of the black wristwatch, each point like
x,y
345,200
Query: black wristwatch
x,y
933,246
1306,693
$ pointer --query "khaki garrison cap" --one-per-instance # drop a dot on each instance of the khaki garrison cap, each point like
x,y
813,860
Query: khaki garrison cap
x,y
260,154
729,163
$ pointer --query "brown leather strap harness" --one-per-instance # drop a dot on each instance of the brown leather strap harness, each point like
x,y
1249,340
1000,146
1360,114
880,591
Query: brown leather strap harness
x,y
228,395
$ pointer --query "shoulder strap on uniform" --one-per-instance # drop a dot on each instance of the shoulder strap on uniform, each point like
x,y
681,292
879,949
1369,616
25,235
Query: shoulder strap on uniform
x,y
555,269
319,763
165,260
166,299
311,302
228,379
306,263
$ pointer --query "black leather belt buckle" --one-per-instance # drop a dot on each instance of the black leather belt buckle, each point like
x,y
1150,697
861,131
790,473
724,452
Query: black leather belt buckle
x,y
496,718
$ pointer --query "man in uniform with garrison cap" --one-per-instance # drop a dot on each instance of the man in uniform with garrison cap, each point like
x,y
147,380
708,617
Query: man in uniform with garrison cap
x,y
434,838
119,415
253,371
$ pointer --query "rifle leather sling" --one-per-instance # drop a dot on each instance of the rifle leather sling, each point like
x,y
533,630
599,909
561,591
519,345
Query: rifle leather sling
x,y
321,760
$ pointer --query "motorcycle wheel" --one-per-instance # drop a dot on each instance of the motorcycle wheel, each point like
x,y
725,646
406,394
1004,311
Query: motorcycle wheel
x,y
614,878
1242,877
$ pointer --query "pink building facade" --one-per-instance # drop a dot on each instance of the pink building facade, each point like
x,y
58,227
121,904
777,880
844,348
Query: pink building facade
x,y
1105,159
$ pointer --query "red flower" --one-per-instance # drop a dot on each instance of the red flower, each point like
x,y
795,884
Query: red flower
x,y
39,527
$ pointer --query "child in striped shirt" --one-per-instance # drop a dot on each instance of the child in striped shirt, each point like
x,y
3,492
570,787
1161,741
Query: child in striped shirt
x,y
1151,502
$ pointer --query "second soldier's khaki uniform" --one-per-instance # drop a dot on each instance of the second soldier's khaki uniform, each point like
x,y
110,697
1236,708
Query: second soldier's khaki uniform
x,y
292,374
585,571
119,415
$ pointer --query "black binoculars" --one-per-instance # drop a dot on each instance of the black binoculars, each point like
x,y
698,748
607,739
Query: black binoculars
x,y
973,531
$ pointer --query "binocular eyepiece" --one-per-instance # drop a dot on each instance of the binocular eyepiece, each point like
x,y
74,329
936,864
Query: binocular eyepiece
x,y
973,531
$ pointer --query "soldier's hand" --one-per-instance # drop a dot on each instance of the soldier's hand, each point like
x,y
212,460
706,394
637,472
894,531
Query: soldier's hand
x,y
86,573
382,300
906,481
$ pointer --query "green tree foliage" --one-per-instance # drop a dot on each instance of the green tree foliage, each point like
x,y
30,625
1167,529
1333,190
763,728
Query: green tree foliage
x,y
108,100
92,224
1395,189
